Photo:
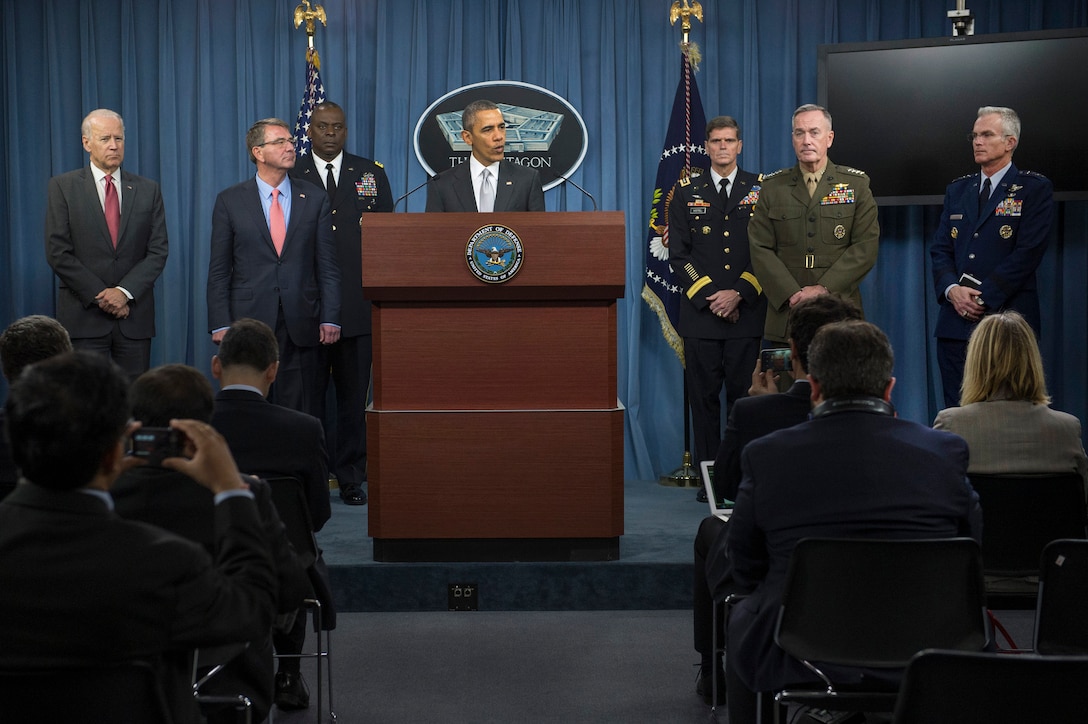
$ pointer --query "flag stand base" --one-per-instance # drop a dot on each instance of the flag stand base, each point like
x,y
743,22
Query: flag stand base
x,y
684,476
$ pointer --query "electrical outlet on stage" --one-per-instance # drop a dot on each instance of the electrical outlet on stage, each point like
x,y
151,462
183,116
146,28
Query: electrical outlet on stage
x,y
464,597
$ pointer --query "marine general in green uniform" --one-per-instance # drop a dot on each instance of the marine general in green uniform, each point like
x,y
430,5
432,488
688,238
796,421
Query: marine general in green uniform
x,y
814,230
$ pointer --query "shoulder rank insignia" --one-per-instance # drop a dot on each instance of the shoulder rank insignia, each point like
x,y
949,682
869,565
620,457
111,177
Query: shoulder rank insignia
x,y
379,164
848,169
1033,174
961,178
777,173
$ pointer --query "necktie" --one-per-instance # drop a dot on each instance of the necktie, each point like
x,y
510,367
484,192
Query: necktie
x,y
113,210
276,225
811,181
487,191
330,181
723,190
983,196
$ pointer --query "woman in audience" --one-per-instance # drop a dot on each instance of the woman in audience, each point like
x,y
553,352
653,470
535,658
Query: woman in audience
x,y
1005,415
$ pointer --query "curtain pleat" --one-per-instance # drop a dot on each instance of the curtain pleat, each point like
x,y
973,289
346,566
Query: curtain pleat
x,y
190,76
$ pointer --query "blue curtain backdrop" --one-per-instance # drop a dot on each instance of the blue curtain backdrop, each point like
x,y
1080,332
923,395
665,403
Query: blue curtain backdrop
x,y
190,76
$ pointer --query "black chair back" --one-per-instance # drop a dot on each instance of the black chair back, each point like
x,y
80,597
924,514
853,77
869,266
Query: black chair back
x,y
1061,622
958,687
875,603
1022,513
124,692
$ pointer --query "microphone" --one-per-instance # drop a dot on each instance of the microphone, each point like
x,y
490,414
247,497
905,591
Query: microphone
x,y
417,188
564,178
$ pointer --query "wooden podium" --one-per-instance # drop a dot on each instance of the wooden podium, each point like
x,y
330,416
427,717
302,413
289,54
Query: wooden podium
x,y
495,432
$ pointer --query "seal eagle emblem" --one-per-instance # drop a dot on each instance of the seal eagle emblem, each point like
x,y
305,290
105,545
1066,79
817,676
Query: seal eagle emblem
x,y
494,253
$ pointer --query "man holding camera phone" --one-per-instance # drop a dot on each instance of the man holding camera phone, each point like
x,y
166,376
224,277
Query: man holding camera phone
x,y
753,417
175,501
721,320
81,585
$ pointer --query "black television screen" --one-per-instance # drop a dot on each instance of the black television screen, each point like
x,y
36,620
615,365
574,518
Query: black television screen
x,y
902,110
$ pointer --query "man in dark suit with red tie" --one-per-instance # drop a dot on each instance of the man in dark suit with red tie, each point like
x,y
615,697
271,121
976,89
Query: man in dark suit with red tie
x,y
355,186
273,258
485,182
105,238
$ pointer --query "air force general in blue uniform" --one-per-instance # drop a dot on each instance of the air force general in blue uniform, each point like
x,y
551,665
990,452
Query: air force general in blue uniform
x,y
992,236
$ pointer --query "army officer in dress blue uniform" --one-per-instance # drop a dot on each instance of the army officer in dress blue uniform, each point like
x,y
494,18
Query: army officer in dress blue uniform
x,y
993,232
722,318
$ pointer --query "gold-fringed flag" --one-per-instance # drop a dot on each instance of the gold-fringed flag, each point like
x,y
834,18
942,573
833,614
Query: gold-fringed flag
x,y
682,151
312,96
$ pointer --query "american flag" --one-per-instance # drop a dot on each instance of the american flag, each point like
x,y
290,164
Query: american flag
x,y
313,95
683,150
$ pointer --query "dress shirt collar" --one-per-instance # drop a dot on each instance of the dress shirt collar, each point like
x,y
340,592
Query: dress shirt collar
x,y
246,388
995,179
100,494
337,164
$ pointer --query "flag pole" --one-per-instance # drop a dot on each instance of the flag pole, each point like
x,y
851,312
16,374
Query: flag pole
x,y
685,476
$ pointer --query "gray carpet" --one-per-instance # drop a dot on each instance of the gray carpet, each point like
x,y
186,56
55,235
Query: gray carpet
x,y
590,666
586,667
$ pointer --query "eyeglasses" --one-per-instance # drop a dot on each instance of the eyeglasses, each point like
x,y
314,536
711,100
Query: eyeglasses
x,y
985,136
277,142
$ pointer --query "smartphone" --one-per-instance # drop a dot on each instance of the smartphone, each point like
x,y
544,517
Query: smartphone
x,y
776,360
155,443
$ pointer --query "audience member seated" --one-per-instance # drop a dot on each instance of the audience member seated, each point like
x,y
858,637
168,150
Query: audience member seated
x,y
269,441
853,470
81,584
25,341
1004,414
174,501
764,411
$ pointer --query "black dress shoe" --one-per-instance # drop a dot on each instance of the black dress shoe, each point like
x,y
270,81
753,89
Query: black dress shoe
x,y
291,691
703,685
353,495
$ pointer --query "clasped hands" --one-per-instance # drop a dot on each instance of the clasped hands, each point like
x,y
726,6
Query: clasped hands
x,y
725,304
113,301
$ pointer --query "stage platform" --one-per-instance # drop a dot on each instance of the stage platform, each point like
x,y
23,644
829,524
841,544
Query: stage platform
x,y
654,570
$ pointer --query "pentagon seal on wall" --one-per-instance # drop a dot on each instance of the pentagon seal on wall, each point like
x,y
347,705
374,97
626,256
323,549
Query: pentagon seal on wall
x,y
494,254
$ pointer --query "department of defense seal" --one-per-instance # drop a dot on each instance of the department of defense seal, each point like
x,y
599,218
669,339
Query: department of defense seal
x,y
494,254
840,231
1005,231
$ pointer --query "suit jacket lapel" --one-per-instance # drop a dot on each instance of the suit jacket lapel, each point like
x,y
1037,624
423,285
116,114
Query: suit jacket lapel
x,y
462,186
256,214
299,201
91,191
504,188
128,199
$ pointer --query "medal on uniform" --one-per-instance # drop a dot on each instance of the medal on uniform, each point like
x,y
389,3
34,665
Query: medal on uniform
x,y
1005,231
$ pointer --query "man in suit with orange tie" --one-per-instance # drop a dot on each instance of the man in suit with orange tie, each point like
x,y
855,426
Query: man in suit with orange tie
x,y
273,258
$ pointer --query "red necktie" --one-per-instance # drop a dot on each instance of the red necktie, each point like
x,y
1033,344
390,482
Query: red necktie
x,y
113,210
276,225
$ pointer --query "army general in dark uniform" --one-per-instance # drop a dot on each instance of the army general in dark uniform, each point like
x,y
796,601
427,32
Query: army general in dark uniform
x,y
815,228
994,229
721,319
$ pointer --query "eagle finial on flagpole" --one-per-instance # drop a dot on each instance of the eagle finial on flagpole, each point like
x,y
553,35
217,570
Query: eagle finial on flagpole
x,y
317,12
683,12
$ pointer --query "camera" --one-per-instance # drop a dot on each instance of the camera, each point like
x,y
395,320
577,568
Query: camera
x,y
776,360
155,443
